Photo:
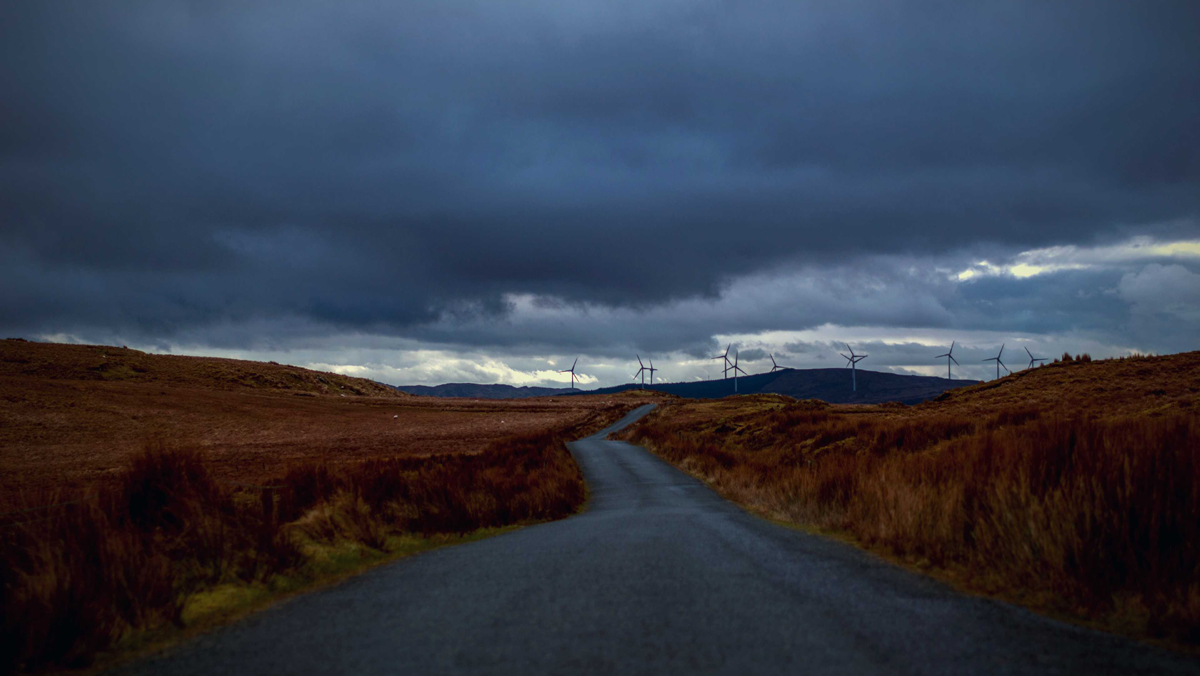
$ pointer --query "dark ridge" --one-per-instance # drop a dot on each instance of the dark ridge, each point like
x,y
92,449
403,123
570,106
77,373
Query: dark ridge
x,y
831,385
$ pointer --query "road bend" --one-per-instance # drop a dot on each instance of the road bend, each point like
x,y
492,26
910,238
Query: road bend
x,y
659,575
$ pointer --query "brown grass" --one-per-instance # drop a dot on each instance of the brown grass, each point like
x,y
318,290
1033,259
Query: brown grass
x,y
107,363
1088,511
148,525
127,558
62,430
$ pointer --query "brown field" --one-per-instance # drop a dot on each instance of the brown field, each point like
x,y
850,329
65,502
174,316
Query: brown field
x,y
1073,488
66,422
144,484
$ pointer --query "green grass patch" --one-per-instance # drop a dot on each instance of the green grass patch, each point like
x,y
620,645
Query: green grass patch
x,y
226,603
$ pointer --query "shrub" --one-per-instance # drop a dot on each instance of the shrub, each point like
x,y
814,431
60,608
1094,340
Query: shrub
x,y
128,557
1097,516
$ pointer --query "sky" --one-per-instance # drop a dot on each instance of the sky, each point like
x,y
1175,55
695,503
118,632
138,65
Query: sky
x,y
459,190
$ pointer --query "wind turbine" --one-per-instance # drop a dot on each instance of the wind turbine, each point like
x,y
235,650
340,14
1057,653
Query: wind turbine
x,y
726,358
736,369
1033,359
651,370
998,362
949,358
641,371
776,367
852,362
572,372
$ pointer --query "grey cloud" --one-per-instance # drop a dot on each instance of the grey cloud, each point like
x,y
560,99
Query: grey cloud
x,y
753,354
1166,289
1164,307
233,170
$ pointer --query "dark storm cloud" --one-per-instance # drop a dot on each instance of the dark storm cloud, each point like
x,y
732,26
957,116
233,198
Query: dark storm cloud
x,y
170,166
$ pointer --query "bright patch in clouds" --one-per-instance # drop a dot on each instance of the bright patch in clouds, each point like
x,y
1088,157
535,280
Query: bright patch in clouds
x,y
1054,259
435,367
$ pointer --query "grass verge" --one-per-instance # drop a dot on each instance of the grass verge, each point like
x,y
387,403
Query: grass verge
x,y
168,551
1082,517
227,603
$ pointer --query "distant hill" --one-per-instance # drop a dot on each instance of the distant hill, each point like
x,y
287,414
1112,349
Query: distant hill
x,y
474,391
55,361
831,385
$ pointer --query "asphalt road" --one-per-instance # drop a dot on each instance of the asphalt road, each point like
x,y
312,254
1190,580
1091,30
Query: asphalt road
x,y
659,575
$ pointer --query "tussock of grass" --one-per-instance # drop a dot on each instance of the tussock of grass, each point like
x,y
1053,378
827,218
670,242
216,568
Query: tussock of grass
x,y
169,544
1097,518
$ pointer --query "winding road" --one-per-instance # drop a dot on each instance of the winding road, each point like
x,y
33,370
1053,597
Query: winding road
x,y
658,575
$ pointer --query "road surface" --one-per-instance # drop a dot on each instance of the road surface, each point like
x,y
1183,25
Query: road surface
x,y
659,575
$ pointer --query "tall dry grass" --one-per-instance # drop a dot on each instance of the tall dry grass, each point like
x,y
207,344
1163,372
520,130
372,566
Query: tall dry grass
x,y
76,578
1095,518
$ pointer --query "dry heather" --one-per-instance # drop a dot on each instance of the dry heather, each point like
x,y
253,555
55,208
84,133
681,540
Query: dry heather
x,y
52,361
142,528
127,558
62,428
1073,488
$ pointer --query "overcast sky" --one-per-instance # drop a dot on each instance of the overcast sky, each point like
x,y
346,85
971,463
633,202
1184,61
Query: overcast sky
x,y
423,192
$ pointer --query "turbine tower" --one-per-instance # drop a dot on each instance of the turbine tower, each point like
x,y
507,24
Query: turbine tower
x,y
651,370
1033,359
641,371
998,362
736,369
572,372
852,362
726,362
776,367
949,358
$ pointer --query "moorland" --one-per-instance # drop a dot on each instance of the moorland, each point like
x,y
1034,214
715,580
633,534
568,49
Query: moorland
x,y
1073,488
147,496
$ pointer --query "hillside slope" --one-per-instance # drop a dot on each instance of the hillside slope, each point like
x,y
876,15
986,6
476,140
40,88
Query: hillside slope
x,y
1134,385
73,415
1071,488
52,361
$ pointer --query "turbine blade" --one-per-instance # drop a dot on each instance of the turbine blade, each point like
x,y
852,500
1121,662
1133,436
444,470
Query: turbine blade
x,y
576,362
1028,353
952,346
954,360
